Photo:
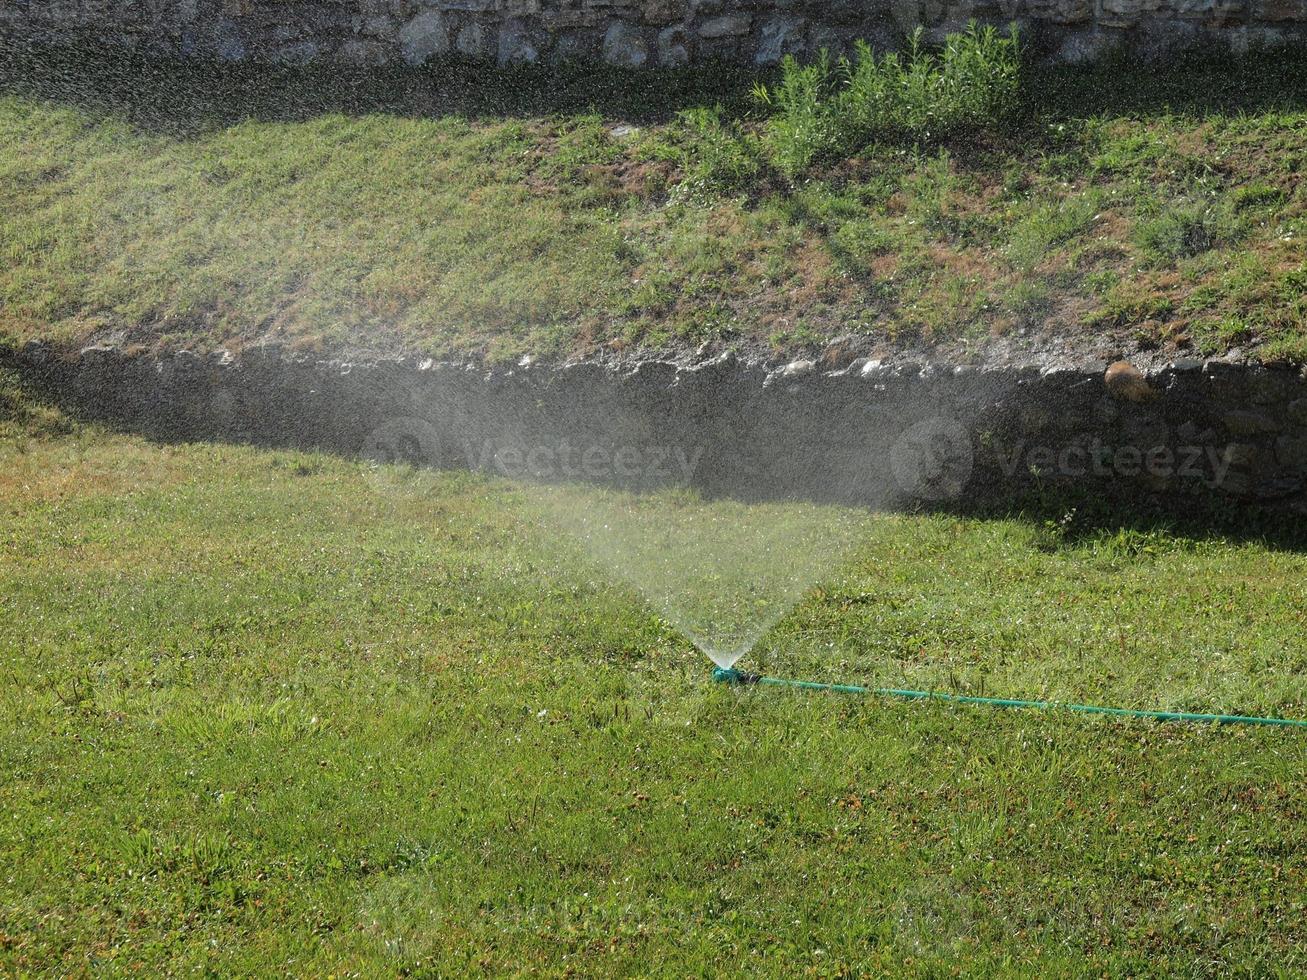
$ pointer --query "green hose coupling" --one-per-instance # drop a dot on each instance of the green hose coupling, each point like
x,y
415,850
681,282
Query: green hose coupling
x,y
729,675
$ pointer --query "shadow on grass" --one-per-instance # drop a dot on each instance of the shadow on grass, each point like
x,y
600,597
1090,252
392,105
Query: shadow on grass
x,y
1069,517
185,98
1198,85
1128,523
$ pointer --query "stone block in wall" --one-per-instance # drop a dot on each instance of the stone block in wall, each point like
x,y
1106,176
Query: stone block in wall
x,y
1214,13
471,41
1081,47
839,11
1242,454
63,12
358,51
1063,11
1248,422
379,26
781,36
911,14
1291,453
1145,432
228,45
424,37
833,39
839,41
624,45
519,8
71,14
734,49
726,25
1003,11
907,14
572,16
964,11
1279,10
1164,37
297,53
280,34
664,11
579,45
1125,13
271,20
1201,10
518,44
938,34
1245,40
675,46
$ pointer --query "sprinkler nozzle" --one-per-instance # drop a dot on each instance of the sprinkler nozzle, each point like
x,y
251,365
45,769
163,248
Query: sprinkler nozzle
x,y
729,675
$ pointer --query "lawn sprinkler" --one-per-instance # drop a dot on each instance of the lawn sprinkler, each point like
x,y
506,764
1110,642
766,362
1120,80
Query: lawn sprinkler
x,y
743,678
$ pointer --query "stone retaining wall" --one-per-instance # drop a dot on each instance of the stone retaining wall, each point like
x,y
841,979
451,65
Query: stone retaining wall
x,y
632,33
871,433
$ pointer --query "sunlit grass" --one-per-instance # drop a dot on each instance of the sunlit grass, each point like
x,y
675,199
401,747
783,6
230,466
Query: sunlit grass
x,y
263,712
179,208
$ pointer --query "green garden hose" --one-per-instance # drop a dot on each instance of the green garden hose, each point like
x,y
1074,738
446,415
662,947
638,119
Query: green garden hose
x,y
729,675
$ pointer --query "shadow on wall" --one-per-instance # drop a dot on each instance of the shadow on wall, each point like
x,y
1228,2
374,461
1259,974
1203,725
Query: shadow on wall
x,y
183,98
1054,448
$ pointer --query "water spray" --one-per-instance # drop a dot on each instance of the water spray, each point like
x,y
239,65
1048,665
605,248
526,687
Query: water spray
x,y
730,675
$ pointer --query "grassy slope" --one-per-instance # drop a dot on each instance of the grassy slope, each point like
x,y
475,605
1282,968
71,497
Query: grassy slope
x,y
259,712
460,212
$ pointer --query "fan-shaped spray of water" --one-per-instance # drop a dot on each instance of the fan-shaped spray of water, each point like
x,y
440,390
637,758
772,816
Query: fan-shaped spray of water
x,y
722,571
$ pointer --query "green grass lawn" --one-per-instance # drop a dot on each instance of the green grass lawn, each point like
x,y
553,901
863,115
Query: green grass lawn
x,y
265,712
468,212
